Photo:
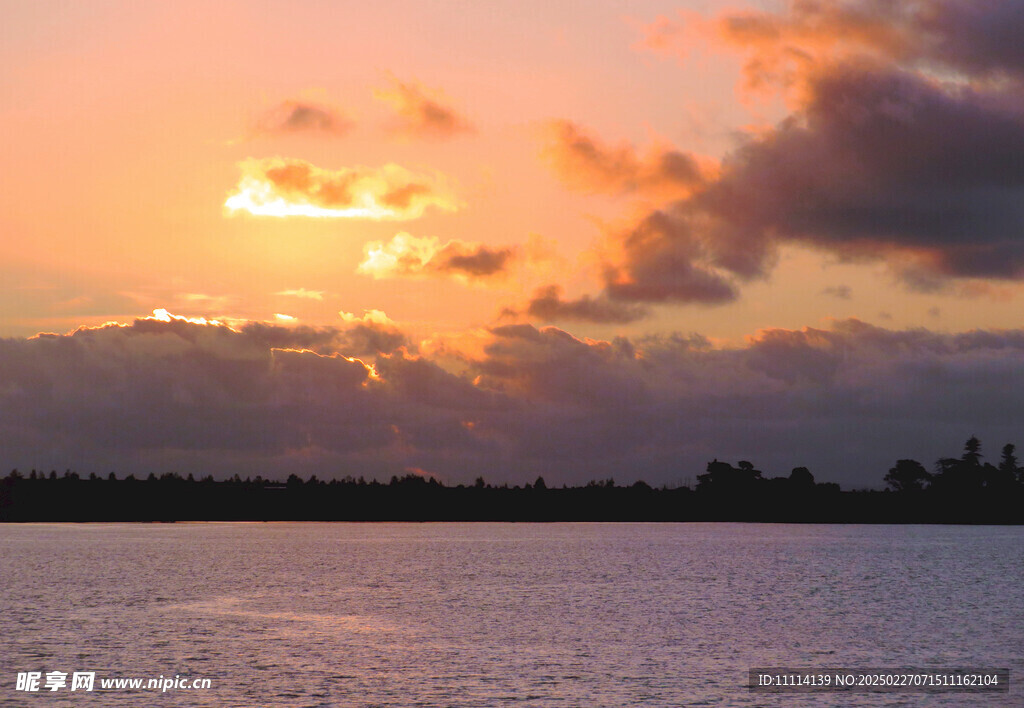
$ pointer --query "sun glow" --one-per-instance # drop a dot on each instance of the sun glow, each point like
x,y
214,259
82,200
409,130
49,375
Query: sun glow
x,y
260,199
404,253
378,317
282,187
163,315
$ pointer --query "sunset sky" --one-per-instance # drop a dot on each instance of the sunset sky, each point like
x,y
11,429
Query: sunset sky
x,y
510,239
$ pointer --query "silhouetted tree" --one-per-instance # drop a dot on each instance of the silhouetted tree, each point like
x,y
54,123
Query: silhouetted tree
x,y
1008,462
748,468
907,476
972,452
801,477
963,475
726,493
723,477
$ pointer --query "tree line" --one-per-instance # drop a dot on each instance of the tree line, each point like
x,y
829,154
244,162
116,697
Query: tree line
x,y
965,474
959,490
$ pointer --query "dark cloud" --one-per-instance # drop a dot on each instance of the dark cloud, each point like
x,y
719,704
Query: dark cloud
x,y
304,117
663,260
170,394
172,389
880,164
905,144
977,36
884,163
547,305
408,256
978,39
271,336
824,397
360,338
550,364
475,260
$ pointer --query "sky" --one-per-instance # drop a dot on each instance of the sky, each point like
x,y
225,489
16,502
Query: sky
x,y
509,239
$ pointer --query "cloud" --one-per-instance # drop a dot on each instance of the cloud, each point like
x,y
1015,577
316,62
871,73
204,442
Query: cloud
x,y
169,393
473,260
360,340
547,305
883,163
662,259
377,317
303,293
289,187
811,394
905,144
373,333
587,164
368,339
408,256
304,117
781,49
367,336
420,112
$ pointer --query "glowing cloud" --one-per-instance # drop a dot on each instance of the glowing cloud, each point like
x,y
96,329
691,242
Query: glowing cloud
x,y
378,317
407,256
303,293
162,315
284,187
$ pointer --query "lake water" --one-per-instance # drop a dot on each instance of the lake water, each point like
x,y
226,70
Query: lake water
x,y
307,614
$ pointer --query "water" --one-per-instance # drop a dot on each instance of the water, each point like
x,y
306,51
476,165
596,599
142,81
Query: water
x,y
303,614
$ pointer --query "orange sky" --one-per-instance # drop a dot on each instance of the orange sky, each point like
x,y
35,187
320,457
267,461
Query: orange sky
x,y
130,125
457,167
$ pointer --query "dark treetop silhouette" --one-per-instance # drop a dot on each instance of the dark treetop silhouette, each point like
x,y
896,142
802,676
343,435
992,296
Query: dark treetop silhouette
x,y
960,490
